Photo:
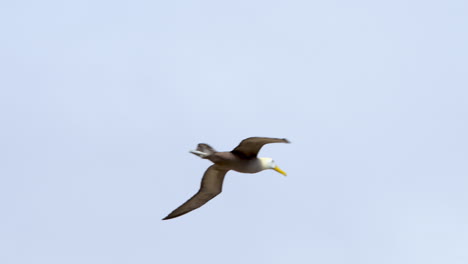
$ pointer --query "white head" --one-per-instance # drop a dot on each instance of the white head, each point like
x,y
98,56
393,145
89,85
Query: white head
x,y
269,163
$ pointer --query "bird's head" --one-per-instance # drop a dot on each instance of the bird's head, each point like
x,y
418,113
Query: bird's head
x,y
269,163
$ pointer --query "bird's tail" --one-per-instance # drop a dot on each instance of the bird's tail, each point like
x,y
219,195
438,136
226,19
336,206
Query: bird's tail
x,y
203,151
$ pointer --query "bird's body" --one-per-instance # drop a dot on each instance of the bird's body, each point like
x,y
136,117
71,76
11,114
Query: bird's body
x,y
241,159
229,161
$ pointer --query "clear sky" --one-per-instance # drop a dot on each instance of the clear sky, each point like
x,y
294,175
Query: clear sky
x,y
100,102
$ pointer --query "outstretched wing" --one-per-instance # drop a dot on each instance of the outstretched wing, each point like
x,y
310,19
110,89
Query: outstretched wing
x,y
211,185
250,147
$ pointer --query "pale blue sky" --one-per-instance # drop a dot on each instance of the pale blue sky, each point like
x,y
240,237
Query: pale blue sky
x,y
100,102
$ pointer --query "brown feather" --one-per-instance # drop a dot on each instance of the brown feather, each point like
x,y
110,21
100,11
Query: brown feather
x,y
250,147
211,185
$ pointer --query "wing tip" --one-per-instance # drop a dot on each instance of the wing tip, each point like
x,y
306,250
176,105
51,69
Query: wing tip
x,y
286,140
168,217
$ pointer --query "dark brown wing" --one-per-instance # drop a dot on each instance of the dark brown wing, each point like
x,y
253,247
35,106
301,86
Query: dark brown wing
x,y
211,185
250,147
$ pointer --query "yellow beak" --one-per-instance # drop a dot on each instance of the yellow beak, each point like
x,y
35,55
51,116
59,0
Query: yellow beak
x,y
280,170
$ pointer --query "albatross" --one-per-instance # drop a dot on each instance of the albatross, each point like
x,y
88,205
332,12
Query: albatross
x,y
241,159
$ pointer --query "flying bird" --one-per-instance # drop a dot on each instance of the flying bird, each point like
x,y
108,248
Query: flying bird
x,y
241,159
